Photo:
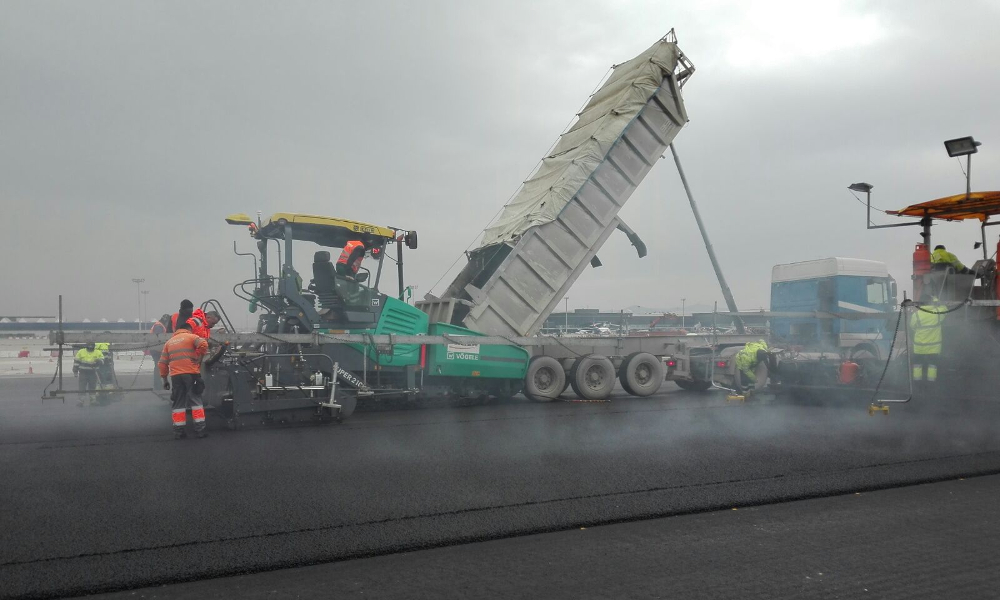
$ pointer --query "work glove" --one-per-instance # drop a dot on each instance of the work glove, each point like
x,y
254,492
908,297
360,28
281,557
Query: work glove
x,y
166,384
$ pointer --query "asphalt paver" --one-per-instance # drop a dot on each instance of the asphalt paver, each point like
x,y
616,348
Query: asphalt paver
x,y
98,499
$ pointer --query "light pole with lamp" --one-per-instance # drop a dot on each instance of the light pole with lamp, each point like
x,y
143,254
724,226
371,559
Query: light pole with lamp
x,y
682,312
967,146
138,298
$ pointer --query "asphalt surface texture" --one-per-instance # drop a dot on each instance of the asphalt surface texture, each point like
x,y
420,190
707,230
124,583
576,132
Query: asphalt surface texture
x,y
936,540
98,499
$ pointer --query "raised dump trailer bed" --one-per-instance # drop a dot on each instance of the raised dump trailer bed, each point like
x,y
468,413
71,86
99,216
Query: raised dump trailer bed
x,y
562,215
557,222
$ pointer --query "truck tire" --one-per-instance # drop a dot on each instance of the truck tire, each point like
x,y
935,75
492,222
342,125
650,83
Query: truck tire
x,y
545,379
593,377
641,374
693,386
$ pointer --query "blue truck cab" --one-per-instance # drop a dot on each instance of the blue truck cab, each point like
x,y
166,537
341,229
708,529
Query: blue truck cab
x,y
838,285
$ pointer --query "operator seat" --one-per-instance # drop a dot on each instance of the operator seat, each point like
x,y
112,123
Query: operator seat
x,y
324,281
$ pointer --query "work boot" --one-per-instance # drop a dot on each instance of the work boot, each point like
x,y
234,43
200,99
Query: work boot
x,y
201,434
180,434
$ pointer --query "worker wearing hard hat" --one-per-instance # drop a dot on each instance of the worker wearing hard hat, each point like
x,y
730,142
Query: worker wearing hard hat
x,y
925,325
350,258
942,259
181,360
86,362
753,366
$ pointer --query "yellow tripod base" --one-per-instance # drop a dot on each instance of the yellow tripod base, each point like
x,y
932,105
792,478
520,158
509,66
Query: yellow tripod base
x,y
875,408
735,398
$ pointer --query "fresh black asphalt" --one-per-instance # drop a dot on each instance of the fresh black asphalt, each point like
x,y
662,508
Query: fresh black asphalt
x,y
101,498
936,540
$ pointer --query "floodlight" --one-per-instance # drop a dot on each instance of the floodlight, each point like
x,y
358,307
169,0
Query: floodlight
x,y
961,146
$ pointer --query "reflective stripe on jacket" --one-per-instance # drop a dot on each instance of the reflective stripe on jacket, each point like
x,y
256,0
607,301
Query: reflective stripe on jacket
x,y
941,255
199,324
182,354
926,325
88,359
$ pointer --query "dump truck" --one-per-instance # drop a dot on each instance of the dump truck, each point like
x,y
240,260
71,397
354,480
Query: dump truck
x,y
846,365
823,312
553,228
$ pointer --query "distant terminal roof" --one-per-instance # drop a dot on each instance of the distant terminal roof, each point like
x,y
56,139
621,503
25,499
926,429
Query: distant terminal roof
x,y
980,205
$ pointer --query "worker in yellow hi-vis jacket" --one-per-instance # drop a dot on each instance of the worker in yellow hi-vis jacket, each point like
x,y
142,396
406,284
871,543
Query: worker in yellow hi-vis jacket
x,y
925,325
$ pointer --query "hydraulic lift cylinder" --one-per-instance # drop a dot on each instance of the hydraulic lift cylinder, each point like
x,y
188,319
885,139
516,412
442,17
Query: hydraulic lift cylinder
x,y
726,292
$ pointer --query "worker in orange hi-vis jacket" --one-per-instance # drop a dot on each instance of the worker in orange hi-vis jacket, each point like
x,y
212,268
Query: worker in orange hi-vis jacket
x,y
181,360
350,258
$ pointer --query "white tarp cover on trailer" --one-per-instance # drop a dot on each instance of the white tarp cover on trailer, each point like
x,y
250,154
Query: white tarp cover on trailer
x,y
586,144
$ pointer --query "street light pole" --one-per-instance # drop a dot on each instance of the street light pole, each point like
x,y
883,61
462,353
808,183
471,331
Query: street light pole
x,y
145,307
968,176
138,298
682,312
966,147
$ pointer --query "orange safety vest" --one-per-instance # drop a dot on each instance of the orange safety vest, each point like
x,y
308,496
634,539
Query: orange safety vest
x,y
345,256
199,324
182,354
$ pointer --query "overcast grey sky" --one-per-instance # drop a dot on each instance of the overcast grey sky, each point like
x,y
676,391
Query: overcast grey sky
x,y
128,130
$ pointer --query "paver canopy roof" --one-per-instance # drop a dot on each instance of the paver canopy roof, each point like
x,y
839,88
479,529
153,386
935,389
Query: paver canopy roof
x,y
979,205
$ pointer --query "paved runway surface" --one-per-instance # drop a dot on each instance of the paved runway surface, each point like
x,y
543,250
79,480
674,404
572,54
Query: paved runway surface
x,y
98,499
937,540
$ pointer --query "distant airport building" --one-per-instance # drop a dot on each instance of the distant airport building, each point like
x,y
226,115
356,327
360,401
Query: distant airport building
x,y
590,319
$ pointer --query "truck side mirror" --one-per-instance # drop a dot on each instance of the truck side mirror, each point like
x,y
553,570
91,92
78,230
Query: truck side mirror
x,y
411,240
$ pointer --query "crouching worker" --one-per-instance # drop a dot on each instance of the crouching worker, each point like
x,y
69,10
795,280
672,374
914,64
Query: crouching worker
x,y
754,364
181,360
